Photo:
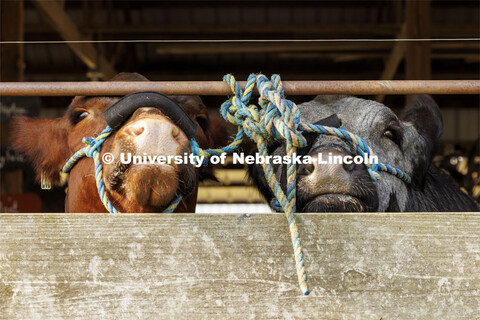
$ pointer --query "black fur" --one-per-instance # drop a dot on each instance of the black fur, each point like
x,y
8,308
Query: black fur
x,y
412,147
440,193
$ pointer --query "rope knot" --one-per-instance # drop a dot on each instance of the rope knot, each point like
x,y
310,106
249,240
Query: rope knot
x,y
93,146
281,116
92,150
237,111
277,118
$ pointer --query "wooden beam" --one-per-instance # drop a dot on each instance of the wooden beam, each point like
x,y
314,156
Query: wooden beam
x,y
182,31
360,266
396,56
228,177
229,194
65,26
300,47
338,57
417,57
255,47
200,30
394,59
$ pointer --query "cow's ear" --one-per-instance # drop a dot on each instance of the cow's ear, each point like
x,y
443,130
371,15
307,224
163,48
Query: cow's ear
x,y
44,142
424,113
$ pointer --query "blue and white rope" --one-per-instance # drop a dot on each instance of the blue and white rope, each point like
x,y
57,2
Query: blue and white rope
x,y
92,150
276,118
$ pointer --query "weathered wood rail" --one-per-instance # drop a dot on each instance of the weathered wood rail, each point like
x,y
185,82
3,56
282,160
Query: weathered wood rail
x,y
186,266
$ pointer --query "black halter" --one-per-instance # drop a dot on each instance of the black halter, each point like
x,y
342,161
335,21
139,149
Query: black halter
x,y
121,110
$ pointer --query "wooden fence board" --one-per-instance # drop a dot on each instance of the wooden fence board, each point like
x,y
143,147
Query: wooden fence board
x,y
186,266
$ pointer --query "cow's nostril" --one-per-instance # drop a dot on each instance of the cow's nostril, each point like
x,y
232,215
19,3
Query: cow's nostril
x,y
175,131
134,130
306,169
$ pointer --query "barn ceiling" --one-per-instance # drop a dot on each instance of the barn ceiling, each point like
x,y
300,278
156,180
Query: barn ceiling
x,y
154,20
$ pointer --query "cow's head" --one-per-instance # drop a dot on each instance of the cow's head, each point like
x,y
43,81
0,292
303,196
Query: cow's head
x,y
407,143
130,187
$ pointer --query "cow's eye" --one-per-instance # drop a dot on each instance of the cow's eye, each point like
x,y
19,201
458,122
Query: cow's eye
x,y
203,123
79,116
392,135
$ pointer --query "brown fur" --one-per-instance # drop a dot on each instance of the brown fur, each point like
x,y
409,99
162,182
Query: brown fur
x,y
49,143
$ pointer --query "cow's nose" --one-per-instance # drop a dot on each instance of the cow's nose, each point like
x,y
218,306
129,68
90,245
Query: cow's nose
x,y
156,136
134,130
329,167
145,126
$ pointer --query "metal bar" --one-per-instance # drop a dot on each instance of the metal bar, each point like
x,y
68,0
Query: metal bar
x,y
365,87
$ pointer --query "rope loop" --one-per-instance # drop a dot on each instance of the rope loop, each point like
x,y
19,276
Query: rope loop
x,y
277,118
92,150
281,116
361,148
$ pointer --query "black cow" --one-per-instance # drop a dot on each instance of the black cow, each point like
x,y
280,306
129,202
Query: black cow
x,y
407,143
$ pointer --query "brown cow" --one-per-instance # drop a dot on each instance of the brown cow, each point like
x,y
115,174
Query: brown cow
x,y
130,188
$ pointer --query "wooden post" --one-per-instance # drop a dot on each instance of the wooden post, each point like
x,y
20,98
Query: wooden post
x,y
11,69
417,56
394,59
69,31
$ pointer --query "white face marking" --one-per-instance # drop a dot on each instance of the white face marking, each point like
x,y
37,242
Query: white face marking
x,y
153,136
